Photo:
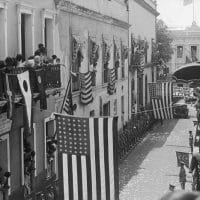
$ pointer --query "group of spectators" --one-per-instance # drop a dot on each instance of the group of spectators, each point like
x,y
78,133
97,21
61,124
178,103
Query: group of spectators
x,y
39,58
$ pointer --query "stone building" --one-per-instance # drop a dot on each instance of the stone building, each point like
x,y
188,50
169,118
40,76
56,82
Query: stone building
x,y
86,36
142,35
186,46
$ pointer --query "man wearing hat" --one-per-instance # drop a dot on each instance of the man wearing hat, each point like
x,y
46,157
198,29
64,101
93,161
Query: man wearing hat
x,y
182,176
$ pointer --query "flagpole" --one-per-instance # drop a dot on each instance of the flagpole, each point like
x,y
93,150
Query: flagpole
x,y
193,11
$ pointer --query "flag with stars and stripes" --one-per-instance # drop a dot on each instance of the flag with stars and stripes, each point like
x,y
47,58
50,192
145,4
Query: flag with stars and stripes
x,y
67,106
86,96
111,81
88,164
161,99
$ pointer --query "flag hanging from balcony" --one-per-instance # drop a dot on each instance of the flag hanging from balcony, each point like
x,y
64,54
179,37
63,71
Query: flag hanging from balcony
x,y
86,96
111,81
161,99
67,106
88,163
40,83
24,84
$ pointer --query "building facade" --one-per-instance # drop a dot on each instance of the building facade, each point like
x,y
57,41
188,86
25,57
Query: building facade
x,y
186,47
74,31
142,35
91,40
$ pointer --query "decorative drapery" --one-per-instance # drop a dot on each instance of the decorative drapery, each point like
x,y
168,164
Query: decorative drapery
x,y
77,55
124,53
93,52
105,52
138,54
116,54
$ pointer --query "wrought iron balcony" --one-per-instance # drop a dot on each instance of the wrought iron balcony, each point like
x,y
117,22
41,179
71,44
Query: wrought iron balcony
x,y
50,81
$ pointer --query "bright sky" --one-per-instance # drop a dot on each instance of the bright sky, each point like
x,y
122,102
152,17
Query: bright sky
x,y
174,14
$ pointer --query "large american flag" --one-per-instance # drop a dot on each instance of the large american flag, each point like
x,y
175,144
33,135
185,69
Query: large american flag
x,y
86,96
67,106
111,81
88,165
161,99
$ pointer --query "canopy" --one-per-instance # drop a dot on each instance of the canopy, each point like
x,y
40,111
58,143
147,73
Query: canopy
x,y
188,72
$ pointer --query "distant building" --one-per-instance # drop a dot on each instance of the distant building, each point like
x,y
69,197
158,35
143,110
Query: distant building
x,y
186,46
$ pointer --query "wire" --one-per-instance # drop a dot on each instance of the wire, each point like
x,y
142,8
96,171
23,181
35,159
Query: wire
x,y
145,111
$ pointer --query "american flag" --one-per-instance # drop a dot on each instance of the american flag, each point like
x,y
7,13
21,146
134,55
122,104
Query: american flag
x,y
86,96
161,99
67,105
111,81
88,165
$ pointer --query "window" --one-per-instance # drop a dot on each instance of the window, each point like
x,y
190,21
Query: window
x,y
105,73
25,30
115,107
92,113
146,92
48,23
122,104
179,51
122,110
193,52
3,30
50,148
152,74
77,57
106,109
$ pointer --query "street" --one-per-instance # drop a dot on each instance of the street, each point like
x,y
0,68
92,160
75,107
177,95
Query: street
x,y
149,169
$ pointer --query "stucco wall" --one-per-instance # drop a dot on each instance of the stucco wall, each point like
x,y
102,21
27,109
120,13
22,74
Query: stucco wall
x,y
83,26
142,23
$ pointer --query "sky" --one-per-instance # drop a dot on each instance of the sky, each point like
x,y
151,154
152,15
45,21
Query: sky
x,y
175,15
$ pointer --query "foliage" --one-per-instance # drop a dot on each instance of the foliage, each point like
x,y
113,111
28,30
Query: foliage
x,y
164,40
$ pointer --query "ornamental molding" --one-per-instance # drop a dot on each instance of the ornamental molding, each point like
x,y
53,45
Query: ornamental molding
x,y
145,5
85,12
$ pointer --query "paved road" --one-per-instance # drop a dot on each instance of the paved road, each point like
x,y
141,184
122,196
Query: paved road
x,y
148,170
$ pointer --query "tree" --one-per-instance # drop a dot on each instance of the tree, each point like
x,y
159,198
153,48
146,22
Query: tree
x,y
164,40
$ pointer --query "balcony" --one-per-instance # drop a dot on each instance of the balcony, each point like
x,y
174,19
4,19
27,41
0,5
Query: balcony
x,y
50,81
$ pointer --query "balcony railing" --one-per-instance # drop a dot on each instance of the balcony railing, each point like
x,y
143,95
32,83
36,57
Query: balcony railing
x,y
50,80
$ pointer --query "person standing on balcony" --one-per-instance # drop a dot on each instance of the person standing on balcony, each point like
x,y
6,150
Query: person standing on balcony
x,y
20,61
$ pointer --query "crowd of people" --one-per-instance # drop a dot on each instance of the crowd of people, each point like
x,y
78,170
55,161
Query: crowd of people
x,y
38,59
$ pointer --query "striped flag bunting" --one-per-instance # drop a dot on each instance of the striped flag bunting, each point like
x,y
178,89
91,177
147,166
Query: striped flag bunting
x,y
111,81
88,164
86,96
67,106
161,99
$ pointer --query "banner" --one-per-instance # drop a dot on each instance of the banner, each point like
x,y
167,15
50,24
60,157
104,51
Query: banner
x,y
24,84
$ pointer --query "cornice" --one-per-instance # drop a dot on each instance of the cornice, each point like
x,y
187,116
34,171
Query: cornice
x,y
147,7
85,12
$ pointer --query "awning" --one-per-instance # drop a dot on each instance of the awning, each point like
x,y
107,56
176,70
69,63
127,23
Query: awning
x,y
188,72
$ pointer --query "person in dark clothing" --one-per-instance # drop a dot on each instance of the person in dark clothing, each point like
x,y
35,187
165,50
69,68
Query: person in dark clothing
x,y
191,141
182,176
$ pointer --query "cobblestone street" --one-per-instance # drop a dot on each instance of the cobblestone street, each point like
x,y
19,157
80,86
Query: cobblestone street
x,y
149,169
